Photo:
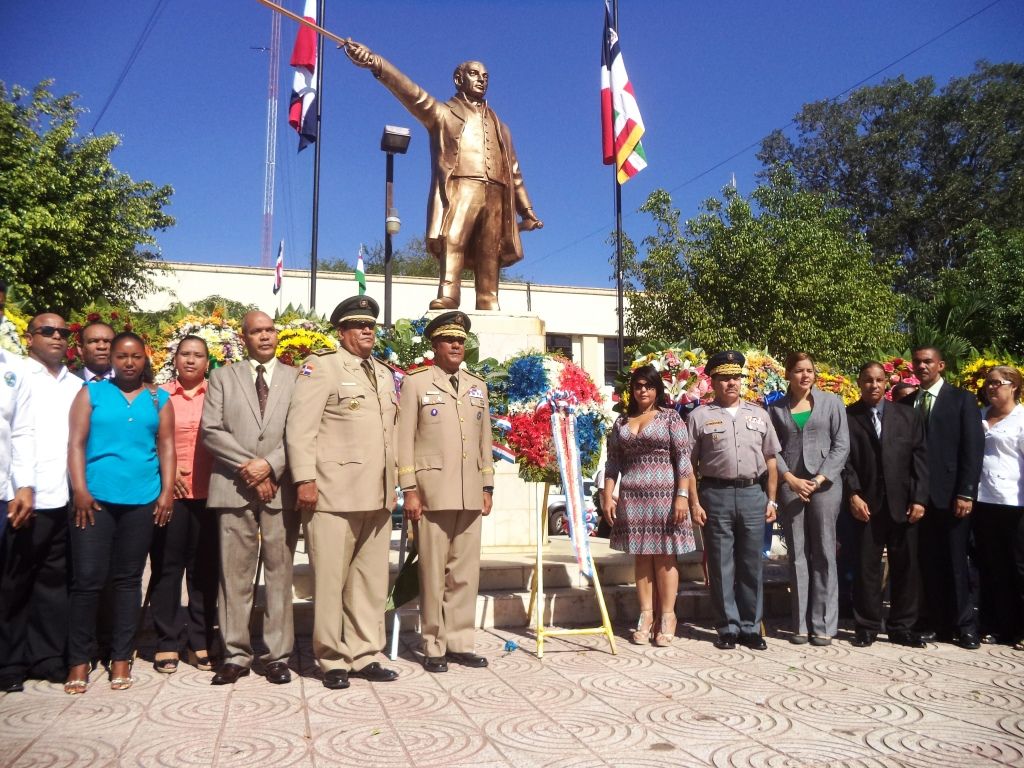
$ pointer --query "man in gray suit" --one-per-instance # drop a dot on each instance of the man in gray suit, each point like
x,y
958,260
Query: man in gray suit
x,y
243,428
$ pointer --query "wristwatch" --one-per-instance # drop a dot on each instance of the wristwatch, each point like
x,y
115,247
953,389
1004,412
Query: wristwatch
x,y
774,503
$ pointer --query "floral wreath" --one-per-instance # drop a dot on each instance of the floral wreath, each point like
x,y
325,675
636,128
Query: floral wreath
x,y
12,332
522,424
972,376
221,335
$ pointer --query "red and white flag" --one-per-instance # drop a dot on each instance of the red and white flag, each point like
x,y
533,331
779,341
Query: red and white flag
x,y
302,107
279,268
621,123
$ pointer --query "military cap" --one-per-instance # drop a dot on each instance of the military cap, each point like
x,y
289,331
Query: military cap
x,y
727,363
357,308
453,325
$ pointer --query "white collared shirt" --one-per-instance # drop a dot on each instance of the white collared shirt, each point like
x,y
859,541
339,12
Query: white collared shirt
x,y
1002,470
268,369
88,375
52,397
17,428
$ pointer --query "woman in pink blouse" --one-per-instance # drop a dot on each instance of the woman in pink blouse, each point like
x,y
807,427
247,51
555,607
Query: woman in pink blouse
x,y
189,542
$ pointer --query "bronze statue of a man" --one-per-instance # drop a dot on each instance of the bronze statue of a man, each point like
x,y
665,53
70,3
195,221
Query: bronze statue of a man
x,y
477,189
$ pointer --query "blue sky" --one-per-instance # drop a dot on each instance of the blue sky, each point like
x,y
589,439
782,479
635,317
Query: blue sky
x,y
710,78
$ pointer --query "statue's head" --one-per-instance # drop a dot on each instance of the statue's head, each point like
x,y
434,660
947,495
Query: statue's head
x,y
470,79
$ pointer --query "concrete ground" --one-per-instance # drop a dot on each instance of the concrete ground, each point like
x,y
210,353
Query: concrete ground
x,y
687,705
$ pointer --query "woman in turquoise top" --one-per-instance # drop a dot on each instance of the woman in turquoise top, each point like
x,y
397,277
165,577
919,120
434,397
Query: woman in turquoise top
x,y
812,430
122,467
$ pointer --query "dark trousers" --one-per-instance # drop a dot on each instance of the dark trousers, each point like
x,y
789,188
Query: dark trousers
x,y
733,536
116,546
943,545
880,533
187,545
34,597
999,536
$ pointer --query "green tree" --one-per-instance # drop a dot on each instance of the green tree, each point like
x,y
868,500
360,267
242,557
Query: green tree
x,y
914,166
73,229
778,269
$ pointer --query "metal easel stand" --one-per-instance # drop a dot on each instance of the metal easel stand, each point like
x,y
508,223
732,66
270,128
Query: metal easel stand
x,y
537,594
396,614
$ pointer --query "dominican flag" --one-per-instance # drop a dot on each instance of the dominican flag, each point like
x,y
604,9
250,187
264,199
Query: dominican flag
x,y
501,453
279,268
621,123
302,107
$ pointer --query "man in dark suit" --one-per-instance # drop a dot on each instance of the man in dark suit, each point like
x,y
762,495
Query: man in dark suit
x,y
956,444
886,481
94,350
250,490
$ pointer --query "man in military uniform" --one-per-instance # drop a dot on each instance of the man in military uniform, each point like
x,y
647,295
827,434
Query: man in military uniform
x,y
733,453
447,475
340,438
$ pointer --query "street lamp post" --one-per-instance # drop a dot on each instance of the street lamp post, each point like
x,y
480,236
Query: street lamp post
x,y
394,140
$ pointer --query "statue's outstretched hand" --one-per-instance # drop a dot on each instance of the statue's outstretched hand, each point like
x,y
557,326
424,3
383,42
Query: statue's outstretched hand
x,y
530,221
360,55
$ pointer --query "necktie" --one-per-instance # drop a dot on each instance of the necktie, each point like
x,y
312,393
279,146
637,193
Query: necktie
x,y
262,390
926,405
454,379
877,422
367,367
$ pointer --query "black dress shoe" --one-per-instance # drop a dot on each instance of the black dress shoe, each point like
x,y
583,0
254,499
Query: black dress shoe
x,y
435,664
278,673
862,638
820,641
798,639
969,640
12,684
753,641
336,679
726,642
228,674
467,659
907,638
928,636
375,673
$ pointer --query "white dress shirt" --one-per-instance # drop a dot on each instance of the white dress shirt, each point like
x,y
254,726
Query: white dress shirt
x,y
268,369
52,397
1002,470
17,428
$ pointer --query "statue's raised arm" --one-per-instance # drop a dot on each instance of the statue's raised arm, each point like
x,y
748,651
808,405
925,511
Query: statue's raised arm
x,y
477,191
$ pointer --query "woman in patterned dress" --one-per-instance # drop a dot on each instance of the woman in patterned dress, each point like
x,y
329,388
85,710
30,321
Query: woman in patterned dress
x,y
648,447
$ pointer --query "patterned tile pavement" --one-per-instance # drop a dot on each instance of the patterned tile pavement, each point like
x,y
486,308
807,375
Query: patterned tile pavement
x,y
687,705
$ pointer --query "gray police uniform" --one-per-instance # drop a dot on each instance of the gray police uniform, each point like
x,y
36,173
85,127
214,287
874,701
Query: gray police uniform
x,y
730,454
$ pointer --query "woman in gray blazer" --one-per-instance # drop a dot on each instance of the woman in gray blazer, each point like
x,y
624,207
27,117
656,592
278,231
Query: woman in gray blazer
x,y
811,426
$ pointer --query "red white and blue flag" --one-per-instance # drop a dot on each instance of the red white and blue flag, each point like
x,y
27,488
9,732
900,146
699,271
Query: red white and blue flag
x,y
621,123
302,106
279,268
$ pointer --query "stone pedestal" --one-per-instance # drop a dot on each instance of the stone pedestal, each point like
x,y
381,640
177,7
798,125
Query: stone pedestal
x,y
512,525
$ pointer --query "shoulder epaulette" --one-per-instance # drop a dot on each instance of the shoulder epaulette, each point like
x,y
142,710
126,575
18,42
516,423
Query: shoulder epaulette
x,y
322,352
476,376
421,369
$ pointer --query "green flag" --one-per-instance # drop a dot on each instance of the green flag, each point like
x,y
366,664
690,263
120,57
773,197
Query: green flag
x,y
360,274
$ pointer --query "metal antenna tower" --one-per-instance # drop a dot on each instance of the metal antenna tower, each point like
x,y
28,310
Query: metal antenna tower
x,y
266,249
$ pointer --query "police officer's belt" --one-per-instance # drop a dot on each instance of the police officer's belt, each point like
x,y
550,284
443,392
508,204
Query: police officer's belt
x,y
739,482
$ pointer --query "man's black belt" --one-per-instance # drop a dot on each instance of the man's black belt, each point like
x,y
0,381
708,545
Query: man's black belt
x,y
721,482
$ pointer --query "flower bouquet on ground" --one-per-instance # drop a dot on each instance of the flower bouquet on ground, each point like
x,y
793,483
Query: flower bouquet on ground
x,y
682,370
897,370
221,335
837,384
764,378
972,375
522,413
12,332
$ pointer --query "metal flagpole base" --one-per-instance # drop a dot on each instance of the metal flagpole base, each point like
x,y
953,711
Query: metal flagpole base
x,y
537,595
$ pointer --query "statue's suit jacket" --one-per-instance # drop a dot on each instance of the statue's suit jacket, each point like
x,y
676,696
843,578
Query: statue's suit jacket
x,y
341,433
234,432
445,121
444,439
820,448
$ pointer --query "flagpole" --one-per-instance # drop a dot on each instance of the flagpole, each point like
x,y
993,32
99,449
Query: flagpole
x,y
280,292
618,231
316,159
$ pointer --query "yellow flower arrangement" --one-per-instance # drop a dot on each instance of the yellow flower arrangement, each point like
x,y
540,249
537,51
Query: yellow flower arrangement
x,y
972,376
12,332
296,344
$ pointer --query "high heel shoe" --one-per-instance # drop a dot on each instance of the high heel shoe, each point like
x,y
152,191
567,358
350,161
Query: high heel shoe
x,y
667,630
200,660
644,625
121,683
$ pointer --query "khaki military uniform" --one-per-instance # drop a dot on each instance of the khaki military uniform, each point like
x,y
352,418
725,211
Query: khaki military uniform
x,y
729,455
341,433
444,451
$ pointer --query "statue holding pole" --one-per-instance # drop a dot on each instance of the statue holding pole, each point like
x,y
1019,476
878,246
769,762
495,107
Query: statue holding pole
x,y
476,192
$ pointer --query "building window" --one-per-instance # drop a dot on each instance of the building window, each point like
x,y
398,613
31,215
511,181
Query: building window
x,y
559,344
612,364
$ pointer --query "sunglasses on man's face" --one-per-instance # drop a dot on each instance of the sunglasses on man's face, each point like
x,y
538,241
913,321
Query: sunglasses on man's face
x,y
50,331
